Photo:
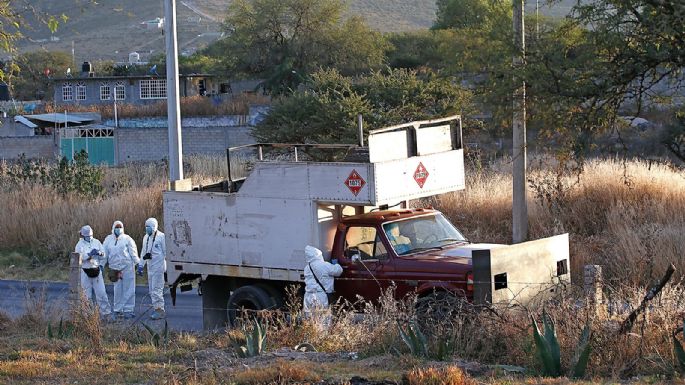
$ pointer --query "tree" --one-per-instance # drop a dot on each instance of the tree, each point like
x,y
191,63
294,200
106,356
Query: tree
x,y
415,49
35,69
478,14
285,41
325,110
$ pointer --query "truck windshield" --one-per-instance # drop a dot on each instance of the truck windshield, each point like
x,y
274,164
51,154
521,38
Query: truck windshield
x,y
421,233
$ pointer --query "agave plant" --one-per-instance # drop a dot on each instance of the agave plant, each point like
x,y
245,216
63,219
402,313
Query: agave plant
x,y
549,351
255,341
414,339
157,338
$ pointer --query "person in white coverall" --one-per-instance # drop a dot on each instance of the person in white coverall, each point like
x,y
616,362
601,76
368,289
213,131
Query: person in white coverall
x,y
153,251
122,256
318,280
92,257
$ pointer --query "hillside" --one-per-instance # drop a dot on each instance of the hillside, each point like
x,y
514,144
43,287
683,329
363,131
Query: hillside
x,y
110,30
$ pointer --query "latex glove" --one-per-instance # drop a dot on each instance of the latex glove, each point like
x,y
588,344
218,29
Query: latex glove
x,y
94,252
334,261
140,270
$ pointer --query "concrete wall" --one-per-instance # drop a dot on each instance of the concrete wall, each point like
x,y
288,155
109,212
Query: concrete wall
x,y
147,139
32,147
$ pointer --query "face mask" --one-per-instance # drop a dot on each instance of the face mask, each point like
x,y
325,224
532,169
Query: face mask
x,y
87,238
117,231
148,230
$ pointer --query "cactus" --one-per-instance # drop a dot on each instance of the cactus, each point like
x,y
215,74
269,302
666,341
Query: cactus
x,y
255,341
414,339
549,352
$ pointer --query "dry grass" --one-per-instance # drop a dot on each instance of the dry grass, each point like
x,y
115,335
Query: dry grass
x,y
39,226
277,374
626,217
37,219
449,375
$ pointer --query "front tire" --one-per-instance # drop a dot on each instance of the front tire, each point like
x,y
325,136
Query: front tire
x,y
248,298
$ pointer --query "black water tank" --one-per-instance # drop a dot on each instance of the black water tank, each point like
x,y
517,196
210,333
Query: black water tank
x,y
4,92
86,67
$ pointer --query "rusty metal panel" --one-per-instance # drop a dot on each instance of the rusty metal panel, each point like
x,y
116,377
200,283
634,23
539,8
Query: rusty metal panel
x,y
521,273
419,177
201,227
274,232
241,271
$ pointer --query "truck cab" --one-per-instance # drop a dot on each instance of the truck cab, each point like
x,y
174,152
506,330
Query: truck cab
x,y
413,250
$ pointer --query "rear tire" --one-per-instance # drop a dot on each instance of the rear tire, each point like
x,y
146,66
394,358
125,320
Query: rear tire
x,y
275,294
250,298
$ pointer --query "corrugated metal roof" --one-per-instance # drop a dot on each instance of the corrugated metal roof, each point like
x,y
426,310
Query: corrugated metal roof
x,y
24,121
60,118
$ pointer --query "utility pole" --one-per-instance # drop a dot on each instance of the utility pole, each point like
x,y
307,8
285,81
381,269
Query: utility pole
x,y
173,96
520,204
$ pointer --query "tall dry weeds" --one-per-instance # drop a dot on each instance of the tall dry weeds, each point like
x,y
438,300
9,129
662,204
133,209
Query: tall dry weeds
x,y
39,220
626,217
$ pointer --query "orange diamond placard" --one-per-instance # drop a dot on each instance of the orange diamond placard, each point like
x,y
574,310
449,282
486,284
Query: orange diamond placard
x,y
420,175
355,182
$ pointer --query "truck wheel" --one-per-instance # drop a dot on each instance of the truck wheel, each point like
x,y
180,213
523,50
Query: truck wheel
x,y
275,294
437,306
247,298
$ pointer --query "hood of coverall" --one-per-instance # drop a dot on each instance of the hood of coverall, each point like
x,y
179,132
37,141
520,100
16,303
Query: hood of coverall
x,y
152,222
118,223
86,231
313,254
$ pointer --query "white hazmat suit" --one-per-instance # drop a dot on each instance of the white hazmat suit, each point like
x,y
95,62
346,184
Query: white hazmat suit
x,y
122,255
92,257
156,265
315,298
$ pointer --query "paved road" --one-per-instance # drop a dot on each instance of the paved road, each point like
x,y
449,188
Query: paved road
x,y
15,296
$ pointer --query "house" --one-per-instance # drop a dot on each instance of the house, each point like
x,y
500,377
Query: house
x,y
141,89
156,23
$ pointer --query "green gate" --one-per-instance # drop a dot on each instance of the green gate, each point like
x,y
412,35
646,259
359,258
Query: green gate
x,y
97,142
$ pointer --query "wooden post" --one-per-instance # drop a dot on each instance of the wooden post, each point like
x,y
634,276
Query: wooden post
x,y
75,282
593,288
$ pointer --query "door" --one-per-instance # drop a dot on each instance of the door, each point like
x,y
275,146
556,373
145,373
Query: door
x,y
366,277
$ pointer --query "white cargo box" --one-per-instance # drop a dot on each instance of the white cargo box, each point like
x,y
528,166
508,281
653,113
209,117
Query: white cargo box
x,y
261,229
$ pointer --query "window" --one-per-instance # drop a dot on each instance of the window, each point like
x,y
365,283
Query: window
x,y
153,89
119,91
67,92
105,91
365,242
421,234
81,91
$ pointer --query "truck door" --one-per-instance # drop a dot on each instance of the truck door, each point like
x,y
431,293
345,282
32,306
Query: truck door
x,y
363,278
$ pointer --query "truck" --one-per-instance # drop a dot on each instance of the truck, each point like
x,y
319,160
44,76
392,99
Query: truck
x,y
242,239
